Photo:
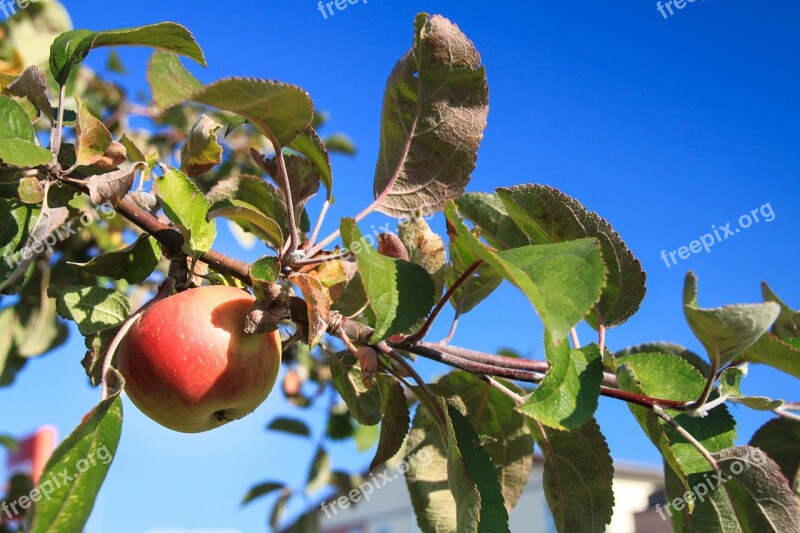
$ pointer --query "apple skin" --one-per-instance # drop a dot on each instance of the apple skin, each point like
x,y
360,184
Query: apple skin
x,y
188,364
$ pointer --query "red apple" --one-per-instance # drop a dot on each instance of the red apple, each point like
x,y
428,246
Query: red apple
x,y
188,364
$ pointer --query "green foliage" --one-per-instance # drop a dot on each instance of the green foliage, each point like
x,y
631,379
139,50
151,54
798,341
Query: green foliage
x,y
85,456
399,292
578,473
469,448
414,138
567,397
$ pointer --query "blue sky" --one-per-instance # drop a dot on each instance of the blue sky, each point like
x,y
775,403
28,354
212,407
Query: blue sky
x,y
664,127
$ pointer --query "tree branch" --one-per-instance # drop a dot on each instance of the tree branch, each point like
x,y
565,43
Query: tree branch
x,y
465,276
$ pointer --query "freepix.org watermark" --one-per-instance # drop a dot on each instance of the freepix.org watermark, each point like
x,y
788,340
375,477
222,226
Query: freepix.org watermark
x,y
326,8
718,234
9,7
375,482
45,489
710,483
103,211
666,8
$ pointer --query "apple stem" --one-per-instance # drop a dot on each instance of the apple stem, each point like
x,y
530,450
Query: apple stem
x,y
463,278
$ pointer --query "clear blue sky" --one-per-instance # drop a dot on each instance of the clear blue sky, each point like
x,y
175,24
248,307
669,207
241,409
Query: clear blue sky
x,y
664,127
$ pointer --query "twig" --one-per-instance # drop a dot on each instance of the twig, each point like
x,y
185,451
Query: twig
x,y
712,377
323,259
294,238
457,315
476,367
576,343
320,220
639,399
467,274
519,400
389,185
55,140
385,348
686,435
786,409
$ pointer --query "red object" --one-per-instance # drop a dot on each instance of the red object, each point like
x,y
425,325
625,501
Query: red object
x,y
33,453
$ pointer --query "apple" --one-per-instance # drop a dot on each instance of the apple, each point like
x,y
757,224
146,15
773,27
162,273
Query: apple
x,y
189,365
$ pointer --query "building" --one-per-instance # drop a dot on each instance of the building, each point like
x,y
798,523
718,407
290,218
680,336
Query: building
x,y
636,491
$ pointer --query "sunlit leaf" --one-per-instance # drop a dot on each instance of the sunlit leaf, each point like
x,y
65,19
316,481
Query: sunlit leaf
x,y
85,456
726,331
71,48
434,114
399,292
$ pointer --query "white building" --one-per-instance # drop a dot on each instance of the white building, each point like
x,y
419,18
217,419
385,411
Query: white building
x,y
636,490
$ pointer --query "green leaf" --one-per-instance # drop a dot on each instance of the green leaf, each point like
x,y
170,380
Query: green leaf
x,y
186,206
134,263
290,425
730,382
364,403
753,497
506,435
395,419
670,377
258,223
340,143
494,516
488,212
434,113
85,456
279,508
262,489
787,325
563,281
14,121
170,82
319,474
279,110
567,396
303,178
17,146
483,282
265,270
425,248
23,154
689,356
399,292
275,108
31,190
546,215
38,239
16,223
32,84
254,193
444,496
310,145
578,474
772,351
9,443
201,152
37,329
726,331
92,136
135,153
92,308
780,440
71,48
